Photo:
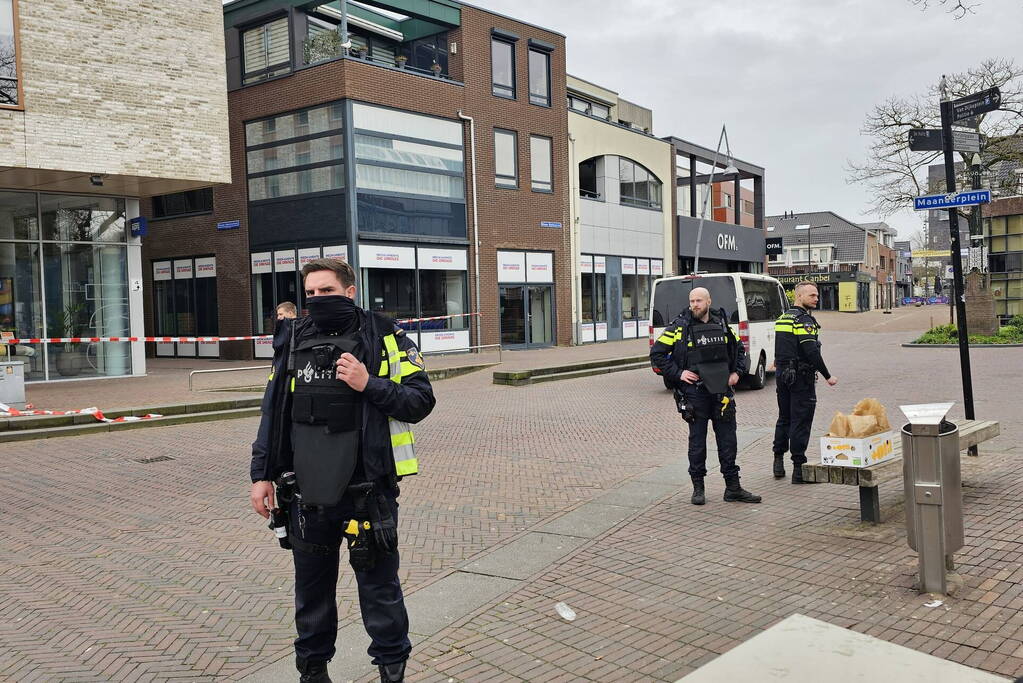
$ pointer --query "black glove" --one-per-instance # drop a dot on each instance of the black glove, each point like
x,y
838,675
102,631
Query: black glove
x,y
385,532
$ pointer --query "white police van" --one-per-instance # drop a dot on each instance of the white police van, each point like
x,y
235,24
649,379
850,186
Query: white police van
x,y
752,302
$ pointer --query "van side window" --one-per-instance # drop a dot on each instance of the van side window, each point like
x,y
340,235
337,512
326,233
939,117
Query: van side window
x,y
761,300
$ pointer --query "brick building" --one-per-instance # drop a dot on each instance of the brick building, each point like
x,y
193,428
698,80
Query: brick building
x,y
432,154
79,105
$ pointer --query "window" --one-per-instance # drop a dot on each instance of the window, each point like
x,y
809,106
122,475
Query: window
x,y
583,106
588,186
502,67
540,163
505,158
423,53
266,51
638,186
183,203
442,293
10,87
539,78
278,166
763,302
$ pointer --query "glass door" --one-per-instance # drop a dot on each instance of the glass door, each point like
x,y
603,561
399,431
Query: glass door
x,y
513,316
541,318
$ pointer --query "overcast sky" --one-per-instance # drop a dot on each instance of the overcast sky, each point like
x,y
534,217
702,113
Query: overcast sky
x,y
792,79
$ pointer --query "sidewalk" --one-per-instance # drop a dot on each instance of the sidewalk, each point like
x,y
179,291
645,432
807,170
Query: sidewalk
x,y
167,380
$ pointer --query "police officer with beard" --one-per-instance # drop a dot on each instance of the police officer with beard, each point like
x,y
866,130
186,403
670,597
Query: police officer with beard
x,y
701,355
334,438
797,357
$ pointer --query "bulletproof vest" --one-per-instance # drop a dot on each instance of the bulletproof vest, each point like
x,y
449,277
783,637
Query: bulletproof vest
x,y
326,419
709,355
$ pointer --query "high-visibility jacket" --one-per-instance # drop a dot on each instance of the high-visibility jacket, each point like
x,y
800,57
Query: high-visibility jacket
x,y
398,394
796,343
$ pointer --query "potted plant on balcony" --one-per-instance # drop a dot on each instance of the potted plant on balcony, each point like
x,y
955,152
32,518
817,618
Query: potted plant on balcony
x,y
435,68
67,322
400,60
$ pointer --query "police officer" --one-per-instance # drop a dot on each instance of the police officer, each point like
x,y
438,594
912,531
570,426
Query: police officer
x,y
702,357
344,386
797,357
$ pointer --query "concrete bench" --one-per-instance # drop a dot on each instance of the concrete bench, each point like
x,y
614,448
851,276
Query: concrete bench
x,y
971,433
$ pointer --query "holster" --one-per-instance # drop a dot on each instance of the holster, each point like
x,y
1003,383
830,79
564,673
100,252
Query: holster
x,y
684,408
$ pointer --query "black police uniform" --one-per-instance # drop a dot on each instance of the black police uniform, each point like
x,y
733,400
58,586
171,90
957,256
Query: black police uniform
x,y
797,357
354,440
711,350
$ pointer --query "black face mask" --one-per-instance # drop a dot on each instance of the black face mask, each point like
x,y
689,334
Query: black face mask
x,y
333,313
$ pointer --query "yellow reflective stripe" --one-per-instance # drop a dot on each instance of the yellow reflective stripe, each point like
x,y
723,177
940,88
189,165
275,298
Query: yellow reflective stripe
x,y
408,368
383,368
271,377
666,338
402,439
406,467
783,327
801,331
292,385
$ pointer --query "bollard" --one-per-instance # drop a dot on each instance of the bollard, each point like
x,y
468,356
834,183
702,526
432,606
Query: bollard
x,y
933,486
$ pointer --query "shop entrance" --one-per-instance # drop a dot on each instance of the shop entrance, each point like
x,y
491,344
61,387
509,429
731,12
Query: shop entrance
x,y
527,315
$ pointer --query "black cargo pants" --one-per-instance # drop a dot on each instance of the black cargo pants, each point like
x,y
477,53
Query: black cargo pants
x,y
797,402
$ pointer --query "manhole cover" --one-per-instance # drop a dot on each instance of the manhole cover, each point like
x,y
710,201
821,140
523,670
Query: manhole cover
x,y
155,458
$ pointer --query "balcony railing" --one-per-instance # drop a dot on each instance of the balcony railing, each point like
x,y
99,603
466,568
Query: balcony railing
x,y
327,46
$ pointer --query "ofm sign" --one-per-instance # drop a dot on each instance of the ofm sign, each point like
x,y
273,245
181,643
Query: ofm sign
x,y
727,242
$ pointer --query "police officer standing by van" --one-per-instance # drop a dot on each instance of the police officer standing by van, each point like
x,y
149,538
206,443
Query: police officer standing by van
x,y
797,357
333,442
701,356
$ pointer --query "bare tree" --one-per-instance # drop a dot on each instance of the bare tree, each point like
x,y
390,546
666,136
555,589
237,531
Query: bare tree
x,y
897,175
957,8
8,75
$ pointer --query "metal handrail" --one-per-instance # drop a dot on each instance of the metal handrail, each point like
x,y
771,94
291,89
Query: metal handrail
x,y
203,372
464,349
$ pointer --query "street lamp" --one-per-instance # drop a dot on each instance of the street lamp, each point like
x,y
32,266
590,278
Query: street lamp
x,y
730,169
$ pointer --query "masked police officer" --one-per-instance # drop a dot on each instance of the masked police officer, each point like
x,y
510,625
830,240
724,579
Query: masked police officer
x,y
797,357
702,356
334,437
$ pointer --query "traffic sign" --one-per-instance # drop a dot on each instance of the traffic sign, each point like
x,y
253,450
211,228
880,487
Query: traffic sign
x,y
929,140
950,201
976,104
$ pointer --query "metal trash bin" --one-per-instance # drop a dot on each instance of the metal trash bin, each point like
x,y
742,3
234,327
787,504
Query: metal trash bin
x,y
12,383
933,486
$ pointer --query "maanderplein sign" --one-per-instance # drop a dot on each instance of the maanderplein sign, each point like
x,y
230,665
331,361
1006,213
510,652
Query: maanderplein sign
x,y
720,241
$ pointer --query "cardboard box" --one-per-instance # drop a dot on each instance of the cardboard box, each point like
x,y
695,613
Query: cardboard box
x,y
858,452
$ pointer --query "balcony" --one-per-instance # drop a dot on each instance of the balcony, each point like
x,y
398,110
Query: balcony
x,y
327,46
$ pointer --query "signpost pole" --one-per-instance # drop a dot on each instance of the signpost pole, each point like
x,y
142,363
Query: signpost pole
x,y
957,259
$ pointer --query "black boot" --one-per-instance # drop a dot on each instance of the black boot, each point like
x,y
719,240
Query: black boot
x,y
312,672
737,494
779,466
698,495
797,476
392,673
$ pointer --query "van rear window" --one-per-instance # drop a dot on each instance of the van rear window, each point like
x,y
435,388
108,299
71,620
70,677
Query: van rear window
x,y
671,297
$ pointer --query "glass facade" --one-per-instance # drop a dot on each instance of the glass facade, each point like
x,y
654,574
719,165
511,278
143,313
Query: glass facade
x,y
1004,236
615,296
64,273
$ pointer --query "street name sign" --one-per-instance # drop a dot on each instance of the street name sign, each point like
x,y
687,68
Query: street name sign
x,y
929,140
951,201
976,104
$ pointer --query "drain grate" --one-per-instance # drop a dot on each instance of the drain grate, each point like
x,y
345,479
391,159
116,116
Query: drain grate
x,y
155,458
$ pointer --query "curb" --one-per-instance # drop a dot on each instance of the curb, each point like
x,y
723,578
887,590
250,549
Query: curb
x,y
911,345
571,371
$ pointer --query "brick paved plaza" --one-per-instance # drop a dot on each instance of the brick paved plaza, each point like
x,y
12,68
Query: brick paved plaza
x,y
134,555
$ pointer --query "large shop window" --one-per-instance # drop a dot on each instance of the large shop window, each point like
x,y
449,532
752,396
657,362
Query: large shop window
x,y
593,285
266,51
10,87
185,305
276,279
410,173
425,282
639,187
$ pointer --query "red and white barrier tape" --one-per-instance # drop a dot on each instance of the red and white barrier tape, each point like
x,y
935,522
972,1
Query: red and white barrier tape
x,y
8,411
184,340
